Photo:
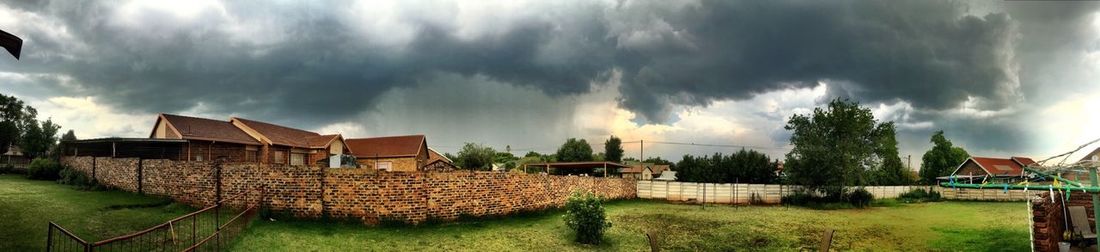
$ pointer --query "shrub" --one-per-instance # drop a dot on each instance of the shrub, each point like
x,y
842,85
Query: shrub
x,y
919,195
584,213
43,169
7,168
77,179
860,198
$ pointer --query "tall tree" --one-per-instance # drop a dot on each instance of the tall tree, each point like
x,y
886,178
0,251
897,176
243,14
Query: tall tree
x,y
39,139
475,157
941,160
887,167
613,150
832,147
574,150
15,118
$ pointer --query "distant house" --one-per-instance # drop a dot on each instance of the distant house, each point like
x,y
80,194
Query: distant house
x,y
14,156
394,153
285,145
206,139
1092,156
438,162
643,171
242,140
1007,170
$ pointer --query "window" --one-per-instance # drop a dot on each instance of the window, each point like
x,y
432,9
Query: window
x,y
280,157
385,166
198,157
297,159
250,155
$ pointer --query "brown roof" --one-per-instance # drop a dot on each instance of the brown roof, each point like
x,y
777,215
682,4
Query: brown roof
x,y
282,135
206,129
322,140
393,146
435,156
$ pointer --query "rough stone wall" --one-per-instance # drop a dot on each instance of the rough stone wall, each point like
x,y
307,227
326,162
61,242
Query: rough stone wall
x,y
1048,220
365,194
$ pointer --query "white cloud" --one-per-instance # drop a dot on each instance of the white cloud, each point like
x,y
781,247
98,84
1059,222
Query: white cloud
x,y
90,119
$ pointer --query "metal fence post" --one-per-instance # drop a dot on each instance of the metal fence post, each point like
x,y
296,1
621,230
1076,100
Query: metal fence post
x,y
49,236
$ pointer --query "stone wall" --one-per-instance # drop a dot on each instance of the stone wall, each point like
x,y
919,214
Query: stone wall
x,y
1048,220
365,194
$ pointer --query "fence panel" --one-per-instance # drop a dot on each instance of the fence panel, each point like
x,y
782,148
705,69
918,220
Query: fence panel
x,y
773,193
207,229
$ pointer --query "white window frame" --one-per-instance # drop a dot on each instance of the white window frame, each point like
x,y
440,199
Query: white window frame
x,y
385,166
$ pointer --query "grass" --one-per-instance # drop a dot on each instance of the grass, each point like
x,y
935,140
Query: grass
x,y
890,226
27,206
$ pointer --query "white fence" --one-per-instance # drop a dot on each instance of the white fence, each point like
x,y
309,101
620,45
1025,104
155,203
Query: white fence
x,y
773,193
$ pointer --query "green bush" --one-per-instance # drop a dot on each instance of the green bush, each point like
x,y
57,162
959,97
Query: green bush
x,y
44,169
919,195
860,198
584,213
7,168
77,179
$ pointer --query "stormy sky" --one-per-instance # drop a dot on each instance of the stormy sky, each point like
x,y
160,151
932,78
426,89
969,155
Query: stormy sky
x,y
999,77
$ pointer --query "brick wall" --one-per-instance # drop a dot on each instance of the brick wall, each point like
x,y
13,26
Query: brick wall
x,y
1048,221
364,194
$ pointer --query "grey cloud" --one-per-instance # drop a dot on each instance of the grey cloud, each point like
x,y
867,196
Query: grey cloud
x,y
930,53
927,52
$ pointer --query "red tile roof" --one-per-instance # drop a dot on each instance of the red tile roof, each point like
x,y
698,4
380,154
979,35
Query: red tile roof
x,y
393,146
282,135
195,128
1002,166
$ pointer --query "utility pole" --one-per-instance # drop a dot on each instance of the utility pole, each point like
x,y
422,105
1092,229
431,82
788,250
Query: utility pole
x,y
641,151
909,161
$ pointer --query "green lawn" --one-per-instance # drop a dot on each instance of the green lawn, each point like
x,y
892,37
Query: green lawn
x,y
940,226
26,206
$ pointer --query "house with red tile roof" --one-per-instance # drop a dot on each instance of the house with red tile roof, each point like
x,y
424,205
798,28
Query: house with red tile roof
x,y
997,169
243,140
392,153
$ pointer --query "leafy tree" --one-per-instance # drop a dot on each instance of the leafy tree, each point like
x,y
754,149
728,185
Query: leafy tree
x,y
475,157
887,166
574,151
532,154
745,166
39,139
941,160
69,136
613,150
15,117
834,147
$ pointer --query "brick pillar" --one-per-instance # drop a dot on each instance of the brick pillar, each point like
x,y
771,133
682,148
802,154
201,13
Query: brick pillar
x,y
1048,222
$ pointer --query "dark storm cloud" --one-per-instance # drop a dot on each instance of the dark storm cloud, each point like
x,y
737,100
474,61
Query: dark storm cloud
x,y
929,53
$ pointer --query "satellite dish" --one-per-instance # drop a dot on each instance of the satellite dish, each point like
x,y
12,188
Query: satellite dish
x,y
10,42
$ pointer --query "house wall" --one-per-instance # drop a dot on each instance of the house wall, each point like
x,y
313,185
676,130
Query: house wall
x,y
401,164
970,168
197,150
362,194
